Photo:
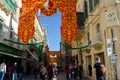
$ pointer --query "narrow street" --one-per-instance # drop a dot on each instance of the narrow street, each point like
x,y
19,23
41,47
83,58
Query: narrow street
x,y
65,39
61,76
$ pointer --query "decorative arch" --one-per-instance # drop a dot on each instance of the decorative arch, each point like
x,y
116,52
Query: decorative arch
x,y
69,28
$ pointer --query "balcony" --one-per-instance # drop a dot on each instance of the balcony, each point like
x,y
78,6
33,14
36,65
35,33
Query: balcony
x,y
96,40
87,49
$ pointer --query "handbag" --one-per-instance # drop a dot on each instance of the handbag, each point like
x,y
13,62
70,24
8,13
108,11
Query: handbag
x,y
54,78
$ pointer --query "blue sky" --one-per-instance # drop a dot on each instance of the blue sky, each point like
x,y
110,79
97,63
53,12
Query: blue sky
x,y
53,24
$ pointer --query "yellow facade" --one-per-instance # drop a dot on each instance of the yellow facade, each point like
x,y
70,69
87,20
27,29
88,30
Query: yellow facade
x,y
98,26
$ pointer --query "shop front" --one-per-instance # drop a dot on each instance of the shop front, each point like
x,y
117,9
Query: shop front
x,y
10,54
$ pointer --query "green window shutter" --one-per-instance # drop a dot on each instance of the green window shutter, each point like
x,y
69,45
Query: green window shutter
x,y
96,2
10,4
90,5
1,23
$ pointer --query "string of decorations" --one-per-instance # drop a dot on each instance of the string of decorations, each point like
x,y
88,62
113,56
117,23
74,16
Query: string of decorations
x,y
68,47
40,43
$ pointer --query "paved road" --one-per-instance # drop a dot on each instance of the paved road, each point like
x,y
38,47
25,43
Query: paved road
x,y
61,76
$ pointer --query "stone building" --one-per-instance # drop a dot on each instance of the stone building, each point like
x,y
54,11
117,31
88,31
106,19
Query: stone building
x,y
9,18
11,48
101,34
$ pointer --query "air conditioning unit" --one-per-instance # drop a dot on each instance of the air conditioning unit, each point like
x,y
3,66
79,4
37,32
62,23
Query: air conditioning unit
x,y
117,1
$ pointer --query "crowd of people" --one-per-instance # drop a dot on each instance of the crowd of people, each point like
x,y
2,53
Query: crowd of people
x,y
13,72
16,72
73,71
44,72
97,72
50,71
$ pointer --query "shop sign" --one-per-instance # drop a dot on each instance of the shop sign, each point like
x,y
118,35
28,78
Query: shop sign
x,y
9,50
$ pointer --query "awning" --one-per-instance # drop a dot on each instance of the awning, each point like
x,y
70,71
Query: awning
x,y
15,56
36,58
12,55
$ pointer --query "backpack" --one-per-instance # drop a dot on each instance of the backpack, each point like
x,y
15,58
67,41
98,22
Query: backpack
x,y
102,69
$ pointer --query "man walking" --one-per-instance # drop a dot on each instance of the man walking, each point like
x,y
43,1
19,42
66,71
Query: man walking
x,y
2,70
15,70
97,69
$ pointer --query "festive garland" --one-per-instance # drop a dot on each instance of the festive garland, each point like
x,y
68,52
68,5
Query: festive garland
x,y
73,48
23,43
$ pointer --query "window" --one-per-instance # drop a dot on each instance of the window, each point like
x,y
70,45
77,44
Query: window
x,y
88,36
18,40
96,2
91,5
86,9
98,28
1,25
11,35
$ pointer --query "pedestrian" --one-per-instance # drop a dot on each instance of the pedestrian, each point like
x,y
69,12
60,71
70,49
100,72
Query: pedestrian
x,y
50,71
74,72
97,69
80,70
90,70
54,72
67,71
10,72
20,72
2,70
43,72
15,71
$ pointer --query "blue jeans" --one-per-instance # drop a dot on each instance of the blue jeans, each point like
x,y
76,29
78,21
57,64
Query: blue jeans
x,y
2,74
14,76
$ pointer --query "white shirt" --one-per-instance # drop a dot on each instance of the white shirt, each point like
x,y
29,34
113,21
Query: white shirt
x,y
3,67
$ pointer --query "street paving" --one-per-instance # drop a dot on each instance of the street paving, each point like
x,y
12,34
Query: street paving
x,y
61,76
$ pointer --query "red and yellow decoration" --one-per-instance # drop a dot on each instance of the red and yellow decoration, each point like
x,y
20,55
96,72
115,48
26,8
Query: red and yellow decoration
x,y
69,28
49,7
26,25
53,56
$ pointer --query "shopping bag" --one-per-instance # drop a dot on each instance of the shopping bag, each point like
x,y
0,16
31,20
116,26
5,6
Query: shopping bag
x,y
54,78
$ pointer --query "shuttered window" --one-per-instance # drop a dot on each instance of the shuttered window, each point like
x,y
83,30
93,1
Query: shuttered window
x,y
96,2
1,25
86,9
90,5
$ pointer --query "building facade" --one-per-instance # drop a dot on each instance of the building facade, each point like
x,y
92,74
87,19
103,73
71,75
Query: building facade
x,y
101,35
11,48
9,18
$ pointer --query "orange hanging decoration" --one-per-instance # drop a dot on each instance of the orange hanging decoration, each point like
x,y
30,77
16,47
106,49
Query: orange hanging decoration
x,y
69,28
49,7
26,25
